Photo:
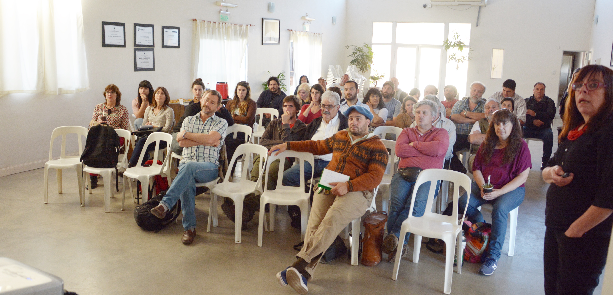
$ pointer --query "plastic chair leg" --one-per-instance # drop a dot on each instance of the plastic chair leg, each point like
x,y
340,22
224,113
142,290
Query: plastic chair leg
x,y
79,169
416,245
459,252
304,219
262,217
107,176
355,240
59,180
272,214
238,219
450,247
399,257
46,185
512,230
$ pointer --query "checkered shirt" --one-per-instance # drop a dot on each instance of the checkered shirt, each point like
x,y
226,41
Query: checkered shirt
x,y
201,153
460,107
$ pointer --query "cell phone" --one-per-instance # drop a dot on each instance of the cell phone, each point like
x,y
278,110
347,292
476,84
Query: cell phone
x,y
565,175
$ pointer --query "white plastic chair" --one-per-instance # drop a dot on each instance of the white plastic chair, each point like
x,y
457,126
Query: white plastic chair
x,y
433,225
356,225
236,128
142,173
512,229
258,129
107,173
286,195
237,190
389,173
65,162
383,131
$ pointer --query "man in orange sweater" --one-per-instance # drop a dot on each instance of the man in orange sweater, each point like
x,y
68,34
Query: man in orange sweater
x,y
356,153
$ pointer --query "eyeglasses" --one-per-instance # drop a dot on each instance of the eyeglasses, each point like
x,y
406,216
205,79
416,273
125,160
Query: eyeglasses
x,y
590,85
328,106
111,92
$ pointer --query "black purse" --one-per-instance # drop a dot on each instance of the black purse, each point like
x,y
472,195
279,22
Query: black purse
x,y
410,173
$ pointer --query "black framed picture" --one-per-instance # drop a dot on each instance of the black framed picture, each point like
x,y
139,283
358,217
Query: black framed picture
x,y
113,34
144,59
171,37
143,35
271,31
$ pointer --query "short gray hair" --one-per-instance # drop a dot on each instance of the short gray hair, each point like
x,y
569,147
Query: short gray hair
x,y
433,106
494,100
477,82
331,95
441,107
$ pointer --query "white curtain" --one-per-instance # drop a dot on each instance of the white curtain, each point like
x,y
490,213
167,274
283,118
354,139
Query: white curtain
x,y
42,47
307,55
220,53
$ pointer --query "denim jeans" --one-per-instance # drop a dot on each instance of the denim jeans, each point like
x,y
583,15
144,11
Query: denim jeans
x,y
184,187
500,214
546,135
291,176
401,192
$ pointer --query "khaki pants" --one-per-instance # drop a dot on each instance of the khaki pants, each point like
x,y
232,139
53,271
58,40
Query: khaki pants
x,y
329,215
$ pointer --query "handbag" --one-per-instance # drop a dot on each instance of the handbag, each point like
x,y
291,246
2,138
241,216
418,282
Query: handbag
x,y
409,173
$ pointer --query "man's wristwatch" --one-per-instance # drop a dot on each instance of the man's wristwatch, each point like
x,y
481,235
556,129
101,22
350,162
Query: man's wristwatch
x,y
465,114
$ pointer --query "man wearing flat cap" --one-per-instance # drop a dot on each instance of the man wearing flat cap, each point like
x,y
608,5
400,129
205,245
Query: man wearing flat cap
x,y
356,153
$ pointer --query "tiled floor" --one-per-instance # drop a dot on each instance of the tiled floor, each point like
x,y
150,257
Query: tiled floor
x,y
107,253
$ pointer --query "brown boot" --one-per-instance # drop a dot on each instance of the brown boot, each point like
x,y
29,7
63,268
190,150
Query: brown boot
x,y
188,236
374,225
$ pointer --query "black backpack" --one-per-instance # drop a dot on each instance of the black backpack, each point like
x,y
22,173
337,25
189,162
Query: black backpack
x,y
148,221
101,148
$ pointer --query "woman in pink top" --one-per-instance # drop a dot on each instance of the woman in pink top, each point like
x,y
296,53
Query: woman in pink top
x,y
311,111
424,147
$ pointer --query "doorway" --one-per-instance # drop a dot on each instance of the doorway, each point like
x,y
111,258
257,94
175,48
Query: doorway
x,y
570,61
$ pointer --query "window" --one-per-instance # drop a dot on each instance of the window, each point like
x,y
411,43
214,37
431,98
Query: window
x,y
305,56
42,47
220,53
414,53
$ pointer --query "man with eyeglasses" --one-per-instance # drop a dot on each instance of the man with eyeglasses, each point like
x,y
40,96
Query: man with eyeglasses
x,y
330,122
541,110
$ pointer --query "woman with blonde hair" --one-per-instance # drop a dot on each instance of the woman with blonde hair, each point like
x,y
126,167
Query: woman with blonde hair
x,y
312,110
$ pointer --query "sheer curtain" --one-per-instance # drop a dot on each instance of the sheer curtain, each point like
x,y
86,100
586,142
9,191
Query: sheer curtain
x,y
307,55
220,53
42,47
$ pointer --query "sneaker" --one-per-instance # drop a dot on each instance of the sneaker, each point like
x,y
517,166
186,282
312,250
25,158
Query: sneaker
x,y
282,277
488,267
297,281
159,211
390,242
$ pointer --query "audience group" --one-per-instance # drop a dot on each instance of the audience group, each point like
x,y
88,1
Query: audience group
x,y
336,125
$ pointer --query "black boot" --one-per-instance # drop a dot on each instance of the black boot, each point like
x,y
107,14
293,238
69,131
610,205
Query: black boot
x,y
94,181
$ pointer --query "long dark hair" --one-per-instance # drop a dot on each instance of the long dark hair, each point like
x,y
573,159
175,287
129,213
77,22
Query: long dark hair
x,y
573,118
166,101
247,96
371,92
491,139
145,84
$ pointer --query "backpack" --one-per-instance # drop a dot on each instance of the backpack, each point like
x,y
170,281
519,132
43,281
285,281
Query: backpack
x,y
477,241
148,221
101,147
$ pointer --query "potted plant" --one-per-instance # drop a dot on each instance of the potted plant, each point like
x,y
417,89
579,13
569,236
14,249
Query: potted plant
x,y
456,43
281,77
361,57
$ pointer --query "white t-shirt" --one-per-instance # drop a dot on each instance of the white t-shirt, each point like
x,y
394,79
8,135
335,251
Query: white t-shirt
x,y
326,130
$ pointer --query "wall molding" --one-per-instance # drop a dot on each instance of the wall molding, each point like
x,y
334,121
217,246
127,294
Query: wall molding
x,y
6,171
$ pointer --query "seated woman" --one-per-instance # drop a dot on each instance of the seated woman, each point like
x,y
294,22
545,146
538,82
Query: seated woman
x,y
406,116
303,93
141,102
312,110
504,159
373,100
158,114
303,79
111,113
242,108
421,147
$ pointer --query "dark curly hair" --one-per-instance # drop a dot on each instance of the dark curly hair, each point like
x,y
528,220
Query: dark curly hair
x,y
514,142
371,92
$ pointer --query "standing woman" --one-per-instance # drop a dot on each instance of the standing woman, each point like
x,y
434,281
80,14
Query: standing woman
x,y
141,102
373,100
311,111
406,116
303,93
242,108
580,199
158,114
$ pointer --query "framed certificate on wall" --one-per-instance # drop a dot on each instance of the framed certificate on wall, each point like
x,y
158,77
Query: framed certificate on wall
x,y
144,59
113,34
143,35
171,37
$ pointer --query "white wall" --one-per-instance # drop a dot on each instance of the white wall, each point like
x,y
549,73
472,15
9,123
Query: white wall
x,y
533,34
27,120
602,32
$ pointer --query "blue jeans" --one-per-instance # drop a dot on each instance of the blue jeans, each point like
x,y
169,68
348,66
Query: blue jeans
x,y
401,192
184,187
291,176
500,214
546,135
138,148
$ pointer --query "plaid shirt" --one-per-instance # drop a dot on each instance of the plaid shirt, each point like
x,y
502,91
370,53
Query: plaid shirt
x,y
460,107
201,153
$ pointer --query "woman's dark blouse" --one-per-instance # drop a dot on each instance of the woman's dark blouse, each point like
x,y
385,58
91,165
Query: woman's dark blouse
x,y
590,158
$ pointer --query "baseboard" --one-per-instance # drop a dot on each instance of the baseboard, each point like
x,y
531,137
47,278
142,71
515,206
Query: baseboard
x,y
22,168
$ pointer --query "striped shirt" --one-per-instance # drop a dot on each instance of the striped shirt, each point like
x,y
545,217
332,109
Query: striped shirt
x,y
202,153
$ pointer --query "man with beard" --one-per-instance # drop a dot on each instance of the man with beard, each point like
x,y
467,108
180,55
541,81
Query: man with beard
x,y
201,137
351,96
400,95
392,105
464,114
355,153
271,98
